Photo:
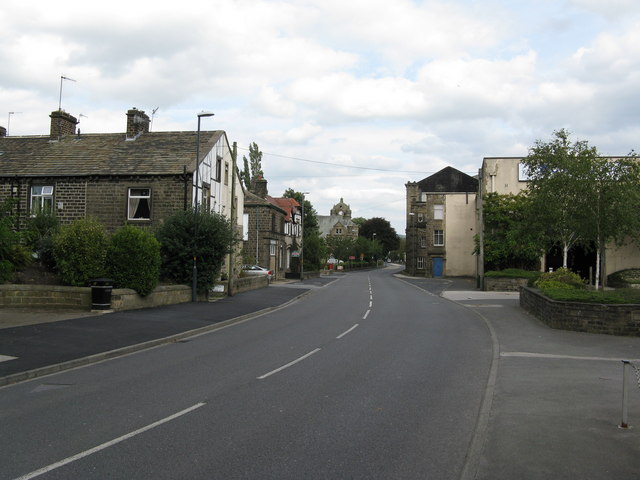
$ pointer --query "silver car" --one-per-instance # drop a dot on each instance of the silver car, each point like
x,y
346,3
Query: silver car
x,y
257,270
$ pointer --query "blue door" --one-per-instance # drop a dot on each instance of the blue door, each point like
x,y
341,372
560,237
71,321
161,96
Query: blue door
x,y
438,266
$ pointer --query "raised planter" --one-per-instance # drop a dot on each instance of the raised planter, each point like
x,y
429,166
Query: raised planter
x,y
582,317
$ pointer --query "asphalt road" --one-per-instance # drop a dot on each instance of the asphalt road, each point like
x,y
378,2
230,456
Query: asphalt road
x,y
366,378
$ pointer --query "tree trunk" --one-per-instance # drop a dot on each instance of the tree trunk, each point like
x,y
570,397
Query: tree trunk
x,y
597,276
565,255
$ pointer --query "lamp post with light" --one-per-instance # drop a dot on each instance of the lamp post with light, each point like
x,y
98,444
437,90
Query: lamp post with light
x,y
194,280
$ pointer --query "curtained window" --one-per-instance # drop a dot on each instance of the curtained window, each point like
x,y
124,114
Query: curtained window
x,y
139,205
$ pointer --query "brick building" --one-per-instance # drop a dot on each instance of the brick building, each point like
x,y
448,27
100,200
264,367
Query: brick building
x,y
441,224
138,177
273,229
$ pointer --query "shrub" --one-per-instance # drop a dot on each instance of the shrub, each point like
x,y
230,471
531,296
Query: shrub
x,y
39,237
133,259
561,275
79,250
622,296
12,253
622,278
179,244
545,285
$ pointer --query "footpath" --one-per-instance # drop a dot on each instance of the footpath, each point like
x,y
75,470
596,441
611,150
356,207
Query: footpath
x,y
38,342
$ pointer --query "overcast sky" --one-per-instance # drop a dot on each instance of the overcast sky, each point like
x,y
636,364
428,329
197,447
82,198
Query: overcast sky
x,y
346,99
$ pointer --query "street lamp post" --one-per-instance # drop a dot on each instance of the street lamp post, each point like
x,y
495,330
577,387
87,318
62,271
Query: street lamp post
x,y
302,237
194,280
412,215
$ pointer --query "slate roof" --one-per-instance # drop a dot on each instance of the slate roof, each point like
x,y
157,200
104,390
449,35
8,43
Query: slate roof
x,y
449,180
151,153
253,200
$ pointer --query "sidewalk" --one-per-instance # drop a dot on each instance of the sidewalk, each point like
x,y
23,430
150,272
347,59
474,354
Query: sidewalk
x,y
39,342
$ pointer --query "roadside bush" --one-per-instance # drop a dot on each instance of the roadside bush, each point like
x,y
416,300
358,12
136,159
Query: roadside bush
x,y
12,253
39,237
554,285
561,275
185,235
80,250
133,259
621,296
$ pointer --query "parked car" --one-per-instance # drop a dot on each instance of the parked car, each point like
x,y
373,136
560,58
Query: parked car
x,y
257,270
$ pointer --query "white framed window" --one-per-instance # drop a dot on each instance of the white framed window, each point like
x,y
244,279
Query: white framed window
x,y
41,199
139,204
245,227
438,238
420,217
423,196
423,242
420,263
438,212
272,248
523,176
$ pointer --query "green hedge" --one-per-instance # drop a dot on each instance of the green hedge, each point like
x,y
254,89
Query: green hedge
x,y
622,296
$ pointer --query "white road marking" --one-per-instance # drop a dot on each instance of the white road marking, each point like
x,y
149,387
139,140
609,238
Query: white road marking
x,y
262,377
370,304
562,357
6,358
93,450
366,314
344,333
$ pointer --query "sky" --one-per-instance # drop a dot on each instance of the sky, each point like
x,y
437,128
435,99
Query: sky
x,y
346,99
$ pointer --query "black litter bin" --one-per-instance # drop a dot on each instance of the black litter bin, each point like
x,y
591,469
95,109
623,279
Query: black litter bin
x,y
101,293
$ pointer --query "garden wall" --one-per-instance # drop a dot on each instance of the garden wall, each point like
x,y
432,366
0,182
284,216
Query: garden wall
x,y
582,317
503,284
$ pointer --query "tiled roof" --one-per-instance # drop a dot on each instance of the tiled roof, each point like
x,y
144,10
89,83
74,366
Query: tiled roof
x,y
152,153
449,180
286,204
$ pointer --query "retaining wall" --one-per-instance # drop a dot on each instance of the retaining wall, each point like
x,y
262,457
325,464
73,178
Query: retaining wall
x,y
582,317
498,284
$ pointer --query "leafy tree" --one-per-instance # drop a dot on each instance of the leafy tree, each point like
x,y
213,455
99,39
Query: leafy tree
x,y
340,247
253,164
204,235
133,259
80,250
384,233
583,196
509,242
315,251
39,237
245,174
359,221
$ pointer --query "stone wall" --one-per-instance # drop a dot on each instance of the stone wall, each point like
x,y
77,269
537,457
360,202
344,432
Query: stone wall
x,y
45,296
582,317
497,284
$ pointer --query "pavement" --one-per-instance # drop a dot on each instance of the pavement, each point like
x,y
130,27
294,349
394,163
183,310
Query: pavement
x,y
552,408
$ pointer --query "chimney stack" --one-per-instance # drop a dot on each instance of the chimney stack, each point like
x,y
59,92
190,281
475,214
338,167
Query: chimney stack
x,y
137,123
259,187
62,124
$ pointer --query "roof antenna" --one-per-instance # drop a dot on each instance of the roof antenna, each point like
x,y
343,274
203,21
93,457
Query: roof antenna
x,y
62,77
153,112
9,121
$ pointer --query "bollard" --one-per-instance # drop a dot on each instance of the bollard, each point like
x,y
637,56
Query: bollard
x,y
625,393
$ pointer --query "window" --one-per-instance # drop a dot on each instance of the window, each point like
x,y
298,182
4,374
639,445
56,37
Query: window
x,y
423,242
523,176
420,263
218,168
139,204
423,196
420,217
226,173
438,238
41,199
272,248
438,212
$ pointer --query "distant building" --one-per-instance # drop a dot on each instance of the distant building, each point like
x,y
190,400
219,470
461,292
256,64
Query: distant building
x,y
441,223
338,223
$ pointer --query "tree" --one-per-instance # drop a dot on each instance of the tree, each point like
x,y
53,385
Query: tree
x,y
310,220
253,165
245,174
381,230
555,197
509,242
584,198
359,221
340,247
204,235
